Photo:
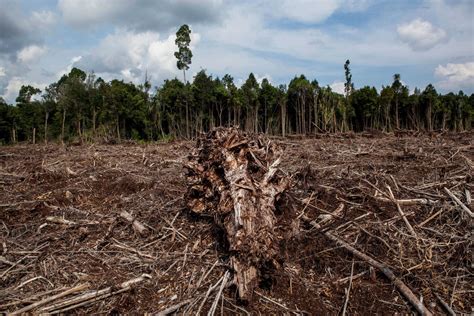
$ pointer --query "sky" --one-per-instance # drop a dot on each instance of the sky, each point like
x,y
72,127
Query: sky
x,y
426,41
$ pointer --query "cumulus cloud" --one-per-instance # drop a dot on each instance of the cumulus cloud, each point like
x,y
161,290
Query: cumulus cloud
x,y
129,55
18,30
140,15
337,86
31,53
309,11
304,10
74,60
43,19
14,85
420,34
2,72
455,76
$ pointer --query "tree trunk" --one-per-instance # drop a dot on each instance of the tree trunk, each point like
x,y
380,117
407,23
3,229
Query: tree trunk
x,y
428,117
243,202
256,119
34,135
62,125
187,119
46,116
78,128
118,129
283,118
397,119
94,117
315,114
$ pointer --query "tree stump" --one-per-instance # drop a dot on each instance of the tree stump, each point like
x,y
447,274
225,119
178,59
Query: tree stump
x,y
234,177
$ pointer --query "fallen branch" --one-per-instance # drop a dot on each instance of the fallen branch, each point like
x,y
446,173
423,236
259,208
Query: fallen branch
x,y
445,305
348,291
410,228
414,201
174,308
75,289
218,296
405,290
458,202
59,220
86,298
135,223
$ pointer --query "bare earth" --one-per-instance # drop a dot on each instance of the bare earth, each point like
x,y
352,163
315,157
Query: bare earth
x,y
61,227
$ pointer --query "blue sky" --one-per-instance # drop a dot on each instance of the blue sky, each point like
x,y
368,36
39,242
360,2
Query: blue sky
x,y
428,41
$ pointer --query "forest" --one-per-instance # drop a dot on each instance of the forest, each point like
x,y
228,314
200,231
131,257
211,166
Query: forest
x,y
81,106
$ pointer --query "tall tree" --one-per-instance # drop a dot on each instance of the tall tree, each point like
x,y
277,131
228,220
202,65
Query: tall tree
x,y
348,85
397,88
429,99
184,56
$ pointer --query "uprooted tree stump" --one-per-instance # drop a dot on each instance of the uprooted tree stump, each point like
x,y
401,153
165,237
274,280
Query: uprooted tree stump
x,y
234,177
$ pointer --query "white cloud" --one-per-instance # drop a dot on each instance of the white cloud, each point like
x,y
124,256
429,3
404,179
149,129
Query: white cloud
x,y
129,55
265,76
2,72
305,10
44,19
337,86
68,68
455,76
420,34
14,85
310,11
31,53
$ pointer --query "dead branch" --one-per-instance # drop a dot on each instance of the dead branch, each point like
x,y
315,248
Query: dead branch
x,y
138,226
75,289
459,203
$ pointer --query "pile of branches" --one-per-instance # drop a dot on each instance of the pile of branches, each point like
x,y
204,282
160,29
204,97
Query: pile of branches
x,y
234,177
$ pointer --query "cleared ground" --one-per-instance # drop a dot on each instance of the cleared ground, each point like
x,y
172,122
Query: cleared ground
x,y
61,227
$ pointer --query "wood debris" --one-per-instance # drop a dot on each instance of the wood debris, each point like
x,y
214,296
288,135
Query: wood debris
x,y
234,176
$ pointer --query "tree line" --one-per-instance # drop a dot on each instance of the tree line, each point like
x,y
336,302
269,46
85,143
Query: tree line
x,y
83,106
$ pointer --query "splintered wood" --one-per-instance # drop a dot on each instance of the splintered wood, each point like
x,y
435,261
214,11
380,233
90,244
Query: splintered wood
x,y
234,177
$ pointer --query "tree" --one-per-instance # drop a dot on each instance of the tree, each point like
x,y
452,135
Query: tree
x,y
49,96
397,88
429,99
184,56
29,111
348,85
250,91
386,97
365,105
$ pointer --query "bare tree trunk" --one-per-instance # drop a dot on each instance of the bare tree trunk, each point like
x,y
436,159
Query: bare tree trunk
x,y
94,117
256,119
187,120
34,135
283,118
46,116
118,129
397,119
13,135
63,123
315,114
429,118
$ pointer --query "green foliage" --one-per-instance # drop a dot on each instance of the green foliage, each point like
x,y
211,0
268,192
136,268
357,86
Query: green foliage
x,y
81,106
184,54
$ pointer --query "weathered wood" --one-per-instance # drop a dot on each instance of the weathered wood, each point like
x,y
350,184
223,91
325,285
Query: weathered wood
x,y
235,177
137,225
